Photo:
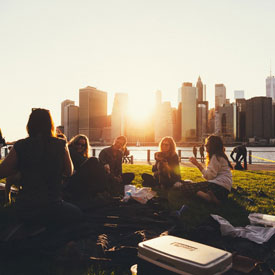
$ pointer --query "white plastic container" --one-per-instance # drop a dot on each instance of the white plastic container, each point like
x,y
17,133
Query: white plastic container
x,y
182,256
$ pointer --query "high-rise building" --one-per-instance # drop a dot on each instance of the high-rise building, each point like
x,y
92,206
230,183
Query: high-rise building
x,y
202,110
202,120
188,97
200,89
220,95
259,118
163,118
241,118
270,87
163,121
119,115
211,121
92,112
71,116
228,122
63,105
238,94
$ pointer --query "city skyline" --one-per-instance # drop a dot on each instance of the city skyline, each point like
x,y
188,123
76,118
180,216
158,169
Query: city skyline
x,y
51,49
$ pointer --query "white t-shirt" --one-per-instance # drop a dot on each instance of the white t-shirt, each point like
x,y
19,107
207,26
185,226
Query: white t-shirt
x,y
218,172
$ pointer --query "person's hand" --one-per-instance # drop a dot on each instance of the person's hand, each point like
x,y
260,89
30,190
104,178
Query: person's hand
x,y
193,161
118,179
158,156
107,168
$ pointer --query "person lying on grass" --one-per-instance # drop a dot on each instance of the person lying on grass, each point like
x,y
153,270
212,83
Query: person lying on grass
x,y
217,173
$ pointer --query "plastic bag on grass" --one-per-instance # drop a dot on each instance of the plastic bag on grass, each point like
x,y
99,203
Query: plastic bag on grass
x,y
263,219
141,195
257,234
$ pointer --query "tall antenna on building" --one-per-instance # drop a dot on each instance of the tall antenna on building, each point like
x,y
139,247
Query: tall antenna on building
x,y
270,68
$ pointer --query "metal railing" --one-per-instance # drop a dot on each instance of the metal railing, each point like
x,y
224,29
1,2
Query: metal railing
x,y
148,155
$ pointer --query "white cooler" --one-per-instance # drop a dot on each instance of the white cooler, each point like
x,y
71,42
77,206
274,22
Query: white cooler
x,y
182,256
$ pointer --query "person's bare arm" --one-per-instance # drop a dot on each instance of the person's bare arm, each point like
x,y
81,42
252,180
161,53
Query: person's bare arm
x,y
8,165
68,165
196,163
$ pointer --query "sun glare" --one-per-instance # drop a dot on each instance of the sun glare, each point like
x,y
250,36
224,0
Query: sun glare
x,y
140,110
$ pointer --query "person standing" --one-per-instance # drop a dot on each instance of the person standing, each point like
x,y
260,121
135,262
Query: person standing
x,y
202,153
195,151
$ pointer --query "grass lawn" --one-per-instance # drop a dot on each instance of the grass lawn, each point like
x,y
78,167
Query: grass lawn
x,y
239,204
235,210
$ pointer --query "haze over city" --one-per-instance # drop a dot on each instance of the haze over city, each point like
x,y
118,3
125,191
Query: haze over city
x,y
51,49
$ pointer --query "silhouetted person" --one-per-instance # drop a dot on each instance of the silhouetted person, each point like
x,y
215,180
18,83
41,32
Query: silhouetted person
x,y
195,151
42,160
202,153
126,153
241,154
89,178
111,159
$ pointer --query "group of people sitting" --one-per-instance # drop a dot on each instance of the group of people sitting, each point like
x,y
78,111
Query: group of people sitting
x,y
54,175
217,172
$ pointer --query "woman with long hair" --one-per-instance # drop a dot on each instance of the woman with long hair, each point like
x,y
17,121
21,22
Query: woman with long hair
x,y
79,150
217,173
89,177
42,160
166,169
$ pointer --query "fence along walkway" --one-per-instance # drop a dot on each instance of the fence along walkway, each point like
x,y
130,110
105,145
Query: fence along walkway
x,y
130,159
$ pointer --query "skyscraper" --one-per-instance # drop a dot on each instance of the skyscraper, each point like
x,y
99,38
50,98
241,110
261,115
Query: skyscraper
x,y
92,112
259,118
220,95
163,121
188,98
270,87
228,122
200,89
202,110
71,126
63,105
119,115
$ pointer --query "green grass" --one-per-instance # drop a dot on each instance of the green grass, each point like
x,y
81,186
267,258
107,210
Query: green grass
x,y
235,210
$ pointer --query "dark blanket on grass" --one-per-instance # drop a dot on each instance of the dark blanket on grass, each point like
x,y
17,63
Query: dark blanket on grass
x,y
108,237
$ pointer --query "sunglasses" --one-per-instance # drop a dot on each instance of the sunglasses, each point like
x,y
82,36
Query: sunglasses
x,y
81,144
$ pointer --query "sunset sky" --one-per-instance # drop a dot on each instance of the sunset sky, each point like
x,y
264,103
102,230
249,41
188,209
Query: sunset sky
x,y
50,49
